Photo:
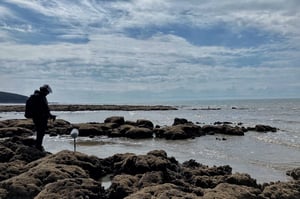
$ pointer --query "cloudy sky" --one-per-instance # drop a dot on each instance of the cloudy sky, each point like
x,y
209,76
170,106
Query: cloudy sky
x,y
120,51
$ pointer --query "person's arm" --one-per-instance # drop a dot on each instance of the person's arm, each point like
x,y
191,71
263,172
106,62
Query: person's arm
x,y
47,110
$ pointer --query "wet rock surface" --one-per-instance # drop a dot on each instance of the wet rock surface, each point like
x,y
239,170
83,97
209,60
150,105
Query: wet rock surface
x,y
29,173
26,172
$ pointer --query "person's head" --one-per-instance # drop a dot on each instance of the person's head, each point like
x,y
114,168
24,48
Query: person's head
x,y
45,89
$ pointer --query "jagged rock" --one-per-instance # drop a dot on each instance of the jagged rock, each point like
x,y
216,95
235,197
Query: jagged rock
x,y
19,148
242,179
122,186
3,193
36,175
14,131
91,164
231,191
32,182
134,164
162,191
151,178
204,176
179,121
11,169
294,173
279,190
72,188
5,154
223,129
27,173
262,128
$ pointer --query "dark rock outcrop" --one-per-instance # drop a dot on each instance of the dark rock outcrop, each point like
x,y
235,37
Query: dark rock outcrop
x,y
294,173
223,129
89,107
116,126
28,173
179,131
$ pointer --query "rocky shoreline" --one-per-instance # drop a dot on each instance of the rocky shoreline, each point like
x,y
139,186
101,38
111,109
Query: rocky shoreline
x,y
26,172
91,107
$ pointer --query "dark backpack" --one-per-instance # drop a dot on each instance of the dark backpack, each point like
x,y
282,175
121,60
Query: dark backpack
x,y
31,106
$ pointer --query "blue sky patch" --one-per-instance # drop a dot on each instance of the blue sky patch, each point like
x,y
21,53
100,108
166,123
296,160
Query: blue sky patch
x,y
219,34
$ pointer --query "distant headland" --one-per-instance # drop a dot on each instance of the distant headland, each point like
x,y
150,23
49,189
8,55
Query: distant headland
x,y
82,107
6,97
12,98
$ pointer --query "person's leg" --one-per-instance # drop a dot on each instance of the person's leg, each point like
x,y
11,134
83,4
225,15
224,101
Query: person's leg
x,y
40,132
39,138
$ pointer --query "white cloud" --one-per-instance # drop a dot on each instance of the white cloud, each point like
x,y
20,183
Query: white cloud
x,y
110,61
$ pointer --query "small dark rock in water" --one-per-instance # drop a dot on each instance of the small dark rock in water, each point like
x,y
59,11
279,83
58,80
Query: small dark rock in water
x,y
223,139
262,128
145,124
223,129
180,121
294,173
220,123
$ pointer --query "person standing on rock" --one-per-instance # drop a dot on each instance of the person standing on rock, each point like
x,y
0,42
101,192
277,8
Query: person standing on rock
x,y
40,113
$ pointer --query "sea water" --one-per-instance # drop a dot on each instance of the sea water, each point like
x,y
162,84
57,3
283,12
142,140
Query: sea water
x,y
265,156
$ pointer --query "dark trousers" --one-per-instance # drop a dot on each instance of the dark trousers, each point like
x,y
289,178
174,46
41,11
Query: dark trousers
x,y
41,127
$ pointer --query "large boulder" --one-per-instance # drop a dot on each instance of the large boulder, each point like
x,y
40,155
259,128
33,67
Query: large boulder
x,y
138,133
145,124
179,131
115,119
91,129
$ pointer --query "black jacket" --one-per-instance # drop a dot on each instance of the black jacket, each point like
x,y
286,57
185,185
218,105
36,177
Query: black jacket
x,y
42,111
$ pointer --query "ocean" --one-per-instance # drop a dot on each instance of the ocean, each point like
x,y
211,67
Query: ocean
x,y
265,156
